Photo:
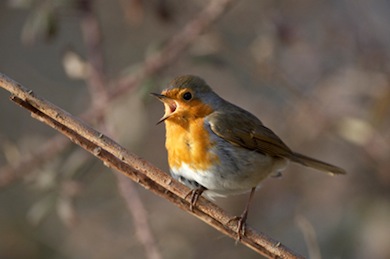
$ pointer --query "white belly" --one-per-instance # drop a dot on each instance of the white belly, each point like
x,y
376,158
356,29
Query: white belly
x,y
236,173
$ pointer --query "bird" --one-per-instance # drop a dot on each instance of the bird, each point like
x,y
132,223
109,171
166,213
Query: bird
x,y
219,149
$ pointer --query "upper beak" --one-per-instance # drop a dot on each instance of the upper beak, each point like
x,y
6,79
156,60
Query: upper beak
x,y
169,103
159,96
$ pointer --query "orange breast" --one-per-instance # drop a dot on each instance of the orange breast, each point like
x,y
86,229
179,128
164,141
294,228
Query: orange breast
x,y
190,143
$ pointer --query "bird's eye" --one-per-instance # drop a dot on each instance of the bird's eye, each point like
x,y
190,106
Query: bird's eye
x,y
187,96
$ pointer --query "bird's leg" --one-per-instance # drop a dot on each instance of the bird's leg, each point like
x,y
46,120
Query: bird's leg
x,y
241,220
195,194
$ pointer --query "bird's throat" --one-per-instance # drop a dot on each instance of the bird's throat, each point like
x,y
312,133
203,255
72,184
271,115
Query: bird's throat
x,y
189,142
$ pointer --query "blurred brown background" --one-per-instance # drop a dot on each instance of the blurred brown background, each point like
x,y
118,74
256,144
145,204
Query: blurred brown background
x,y
316,72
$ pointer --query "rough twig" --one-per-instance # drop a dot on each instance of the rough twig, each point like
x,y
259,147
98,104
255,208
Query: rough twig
x,y
116,157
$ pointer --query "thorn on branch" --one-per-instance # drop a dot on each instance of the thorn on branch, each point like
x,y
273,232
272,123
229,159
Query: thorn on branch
x,y
97,151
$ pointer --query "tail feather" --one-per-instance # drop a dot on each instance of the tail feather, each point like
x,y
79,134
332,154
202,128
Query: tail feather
x,y
316,164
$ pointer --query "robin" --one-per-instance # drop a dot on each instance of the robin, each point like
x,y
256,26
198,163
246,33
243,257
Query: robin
x,y
219,148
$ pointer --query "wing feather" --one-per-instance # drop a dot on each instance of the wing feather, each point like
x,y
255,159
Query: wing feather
x,y
243,129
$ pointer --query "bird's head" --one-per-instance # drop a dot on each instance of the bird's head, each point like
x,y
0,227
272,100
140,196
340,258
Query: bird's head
x,y
187,97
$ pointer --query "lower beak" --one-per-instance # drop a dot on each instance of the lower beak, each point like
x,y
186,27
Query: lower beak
x,y
169,103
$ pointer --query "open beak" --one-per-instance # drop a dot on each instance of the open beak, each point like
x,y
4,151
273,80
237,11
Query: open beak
x,y
169,103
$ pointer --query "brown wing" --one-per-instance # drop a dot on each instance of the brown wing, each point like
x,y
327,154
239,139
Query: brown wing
x,y
244,129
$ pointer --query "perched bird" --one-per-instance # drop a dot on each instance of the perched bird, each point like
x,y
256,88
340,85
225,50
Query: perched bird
x,y
219,148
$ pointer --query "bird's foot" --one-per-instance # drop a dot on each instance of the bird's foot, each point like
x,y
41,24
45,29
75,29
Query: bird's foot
x,y
195,194
241,224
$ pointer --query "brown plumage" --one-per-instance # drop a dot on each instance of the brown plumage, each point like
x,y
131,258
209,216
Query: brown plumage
x,y
216,146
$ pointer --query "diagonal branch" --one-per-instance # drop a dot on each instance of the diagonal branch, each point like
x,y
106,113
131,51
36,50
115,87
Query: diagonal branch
x,y
139,170
175,46
91,33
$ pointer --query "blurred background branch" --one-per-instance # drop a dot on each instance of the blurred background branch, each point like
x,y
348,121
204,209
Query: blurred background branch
x,y
152,65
